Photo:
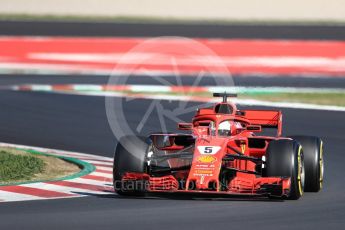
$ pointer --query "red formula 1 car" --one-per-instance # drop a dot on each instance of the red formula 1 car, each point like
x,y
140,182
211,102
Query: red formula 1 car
x,y
223,154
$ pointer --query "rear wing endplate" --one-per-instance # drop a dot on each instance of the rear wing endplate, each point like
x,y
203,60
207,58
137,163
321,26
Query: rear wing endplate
x,y
265,118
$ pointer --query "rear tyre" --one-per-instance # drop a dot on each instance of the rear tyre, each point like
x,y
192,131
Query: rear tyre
x,y
284,158
313,162
130,155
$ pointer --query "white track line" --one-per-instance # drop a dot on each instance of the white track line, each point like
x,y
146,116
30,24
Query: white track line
x,y
65,189
99,162
106,181
247,102
157,96
106,175
7,197
110,170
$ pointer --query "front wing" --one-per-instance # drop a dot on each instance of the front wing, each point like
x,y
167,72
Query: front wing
x,y
261,186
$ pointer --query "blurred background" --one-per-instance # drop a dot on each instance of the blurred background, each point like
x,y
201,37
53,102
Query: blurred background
x,y
285,54
316,11
294,43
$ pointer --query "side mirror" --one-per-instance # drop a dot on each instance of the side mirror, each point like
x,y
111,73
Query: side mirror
x,y
185,126
254,128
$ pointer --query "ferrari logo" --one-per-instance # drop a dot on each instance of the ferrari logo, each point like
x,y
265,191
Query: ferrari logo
x,y
207,159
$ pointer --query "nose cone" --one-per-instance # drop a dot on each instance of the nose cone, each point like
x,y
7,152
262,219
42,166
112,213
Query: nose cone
x,y
207,162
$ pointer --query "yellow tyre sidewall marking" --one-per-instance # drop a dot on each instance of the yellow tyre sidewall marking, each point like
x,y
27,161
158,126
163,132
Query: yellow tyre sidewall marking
x,y
321,164
299,175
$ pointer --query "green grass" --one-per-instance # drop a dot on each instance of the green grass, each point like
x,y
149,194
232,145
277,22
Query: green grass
x,y
20,166
336,99
15,167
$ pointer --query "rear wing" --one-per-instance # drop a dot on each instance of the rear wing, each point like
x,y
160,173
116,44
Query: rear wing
x,y
265,118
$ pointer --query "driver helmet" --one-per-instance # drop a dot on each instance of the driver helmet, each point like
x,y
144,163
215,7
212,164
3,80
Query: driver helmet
x,y
212,128
224,128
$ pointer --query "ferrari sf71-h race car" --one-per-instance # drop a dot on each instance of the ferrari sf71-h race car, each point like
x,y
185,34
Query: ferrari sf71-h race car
x,y
223,154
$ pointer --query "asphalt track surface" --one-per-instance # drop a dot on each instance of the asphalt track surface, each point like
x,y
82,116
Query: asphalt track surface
x,y
46,28
79,123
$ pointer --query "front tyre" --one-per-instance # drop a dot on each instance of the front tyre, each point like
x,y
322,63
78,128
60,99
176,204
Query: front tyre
x,y
284,158
313,162
130,155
